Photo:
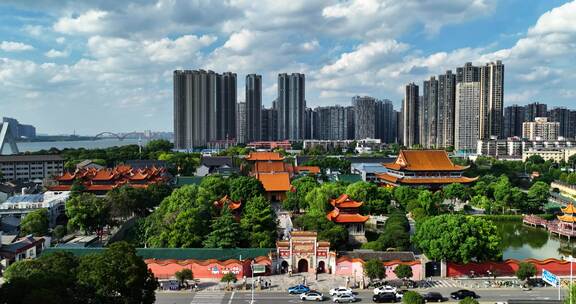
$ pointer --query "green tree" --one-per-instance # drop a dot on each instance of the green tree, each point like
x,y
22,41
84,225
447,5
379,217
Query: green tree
x,y
156,193
535,159
538,195
228,278
118,275
318,199
404,194
225,233
568,299
455,192
181,220
374,269
244,188
458,238
412,297
87,212
53,275
403,271
258,223
183,275
295,200
361,191
59,232
468,301
125,201
525,271
159,145
35,222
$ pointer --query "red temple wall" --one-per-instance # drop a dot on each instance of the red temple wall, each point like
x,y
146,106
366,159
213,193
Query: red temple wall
x,y
507,267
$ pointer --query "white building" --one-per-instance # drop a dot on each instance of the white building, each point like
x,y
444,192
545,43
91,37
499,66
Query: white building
x,y
31,168
541,129
467,116
19,205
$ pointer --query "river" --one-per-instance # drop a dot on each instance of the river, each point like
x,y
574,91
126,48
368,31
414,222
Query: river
x,y
87,144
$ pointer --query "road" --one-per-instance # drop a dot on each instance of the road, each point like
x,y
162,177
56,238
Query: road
x,y
271,297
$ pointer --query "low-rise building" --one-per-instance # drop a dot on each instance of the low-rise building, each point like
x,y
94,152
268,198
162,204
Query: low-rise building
x,y
13,250
368,171
31,168
19,205
555,155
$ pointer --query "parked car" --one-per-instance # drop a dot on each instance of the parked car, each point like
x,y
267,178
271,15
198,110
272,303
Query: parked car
x,y
344,298
463,294
385,288
400,294
433,297
312,296
385,297
340,290
298,289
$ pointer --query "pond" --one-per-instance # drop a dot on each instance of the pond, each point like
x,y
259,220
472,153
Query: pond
x,y
520,241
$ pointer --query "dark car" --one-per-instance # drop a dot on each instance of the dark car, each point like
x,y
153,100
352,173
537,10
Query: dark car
x,y
385,297
463,294
433,297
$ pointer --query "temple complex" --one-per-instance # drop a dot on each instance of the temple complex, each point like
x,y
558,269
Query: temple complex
x,y
100,181
304,253
423,168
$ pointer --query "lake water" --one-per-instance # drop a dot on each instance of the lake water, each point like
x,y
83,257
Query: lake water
x,y
520,241
88,144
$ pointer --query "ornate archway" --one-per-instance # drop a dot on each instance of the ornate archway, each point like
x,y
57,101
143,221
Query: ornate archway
x,y
303,265
321,267
283,267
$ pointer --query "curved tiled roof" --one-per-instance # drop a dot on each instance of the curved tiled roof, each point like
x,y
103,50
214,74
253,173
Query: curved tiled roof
x,y
264,156
569,209
344,201
426,180
266,166
338,217
275,181
423,160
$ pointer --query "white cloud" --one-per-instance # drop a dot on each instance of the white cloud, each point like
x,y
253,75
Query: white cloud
x,y
12,46
33,30
90,22
166,50
56,54
60,40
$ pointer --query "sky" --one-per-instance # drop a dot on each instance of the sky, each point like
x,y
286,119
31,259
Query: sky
x,y
106,65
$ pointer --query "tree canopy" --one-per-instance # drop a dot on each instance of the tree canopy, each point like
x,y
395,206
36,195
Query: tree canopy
x,y
458,238
87,212
35,222
374,269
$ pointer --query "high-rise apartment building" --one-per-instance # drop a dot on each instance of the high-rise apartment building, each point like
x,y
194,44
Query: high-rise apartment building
x,y
291,106
410,119
241,126
429,108
446,110
364,117
564,117
331,123
350,123
204,107
513,119
18,130
467,131
384,119
492,100
540,129
534,110
253,107
269,124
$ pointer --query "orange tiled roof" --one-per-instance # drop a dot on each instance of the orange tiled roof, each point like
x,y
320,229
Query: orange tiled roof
x,y
60,188
226,200
423,160
274,181
67,176
567,218
426,180
254,156
104,174
344,201
308,169
569,209
266,166
139,175
338,217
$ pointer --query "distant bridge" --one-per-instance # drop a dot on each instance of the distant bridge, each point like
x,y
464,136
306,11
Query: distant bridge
x,y
119,136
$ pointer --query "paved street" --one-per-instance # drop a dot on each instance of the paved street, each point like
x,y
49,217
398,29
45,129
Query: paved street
x,y
270,297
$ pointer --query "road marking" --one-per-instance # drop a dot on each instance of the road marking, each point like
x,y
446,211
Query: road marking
x,y
231,297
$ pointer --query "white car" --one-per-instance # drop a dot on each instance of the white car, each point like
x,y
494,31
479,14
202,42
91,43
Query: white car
x,y
340,290
312,296
344,298
385,288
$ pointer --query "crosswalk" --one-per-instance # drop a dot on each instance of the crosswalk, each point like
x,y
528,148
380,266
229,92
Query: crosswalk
x,y
443,283
208,297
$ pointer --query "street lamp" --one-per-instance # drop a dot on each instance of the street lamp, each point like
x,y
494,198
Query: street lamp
x,y
252,270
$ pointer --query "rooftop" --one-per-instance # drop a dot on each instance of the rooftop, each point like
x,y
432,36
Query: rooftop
x,y
179,253
254,156
27,158
423,160
275,181
404,256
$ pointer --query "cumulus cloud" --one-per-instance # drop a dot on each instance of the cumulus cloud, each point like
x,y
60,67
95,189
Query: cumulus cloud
x,y
56,54
12,46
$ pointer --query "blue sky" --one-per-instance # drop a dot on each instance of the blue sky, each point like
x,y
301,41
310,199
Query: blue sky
x,y
106,65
